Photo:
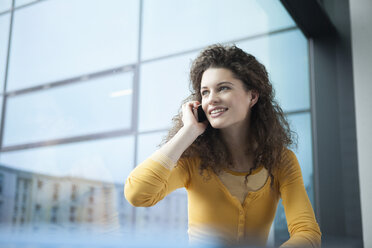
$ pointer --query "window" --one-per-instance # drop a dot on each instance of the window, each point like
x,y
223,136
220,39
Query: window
x,y
100,159
54,214
91,195
170,88
96,93
1,183
63,36
39,184
73,192
37,212
4,37
46,115
202,23
5,5
90,215
1,211
72,214
55,192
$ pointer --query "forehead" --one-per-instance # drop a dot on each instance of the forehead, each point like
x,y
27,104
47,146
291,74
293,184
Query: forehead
x,y
213,76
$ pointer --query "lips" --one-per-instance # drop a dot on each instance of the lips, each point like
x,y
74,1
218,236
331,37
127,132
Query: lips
x,y
216,108
217,114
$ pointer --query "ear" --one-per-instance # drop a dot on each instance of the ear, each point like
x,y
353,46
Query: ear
x,y
254,98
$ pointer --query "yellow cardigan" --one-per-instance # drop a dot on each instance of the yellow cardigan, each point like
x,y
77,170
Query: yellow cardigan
x,y
215,215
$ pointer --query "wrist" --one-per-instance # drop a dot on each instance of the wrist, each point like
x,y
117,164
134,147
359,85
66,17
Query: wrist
x,y
189,132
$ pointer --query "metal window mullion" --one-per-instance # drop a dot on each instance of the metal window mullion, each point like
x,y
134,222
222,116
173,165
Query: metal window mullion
x,y
293,112
243,39
135,100
13,8
3,110
73,80
68,140
314,130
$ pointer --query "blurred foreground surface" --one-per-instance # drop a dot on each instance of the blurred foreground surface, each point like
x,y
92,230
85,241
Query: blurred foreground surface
x,y
60,236
87,236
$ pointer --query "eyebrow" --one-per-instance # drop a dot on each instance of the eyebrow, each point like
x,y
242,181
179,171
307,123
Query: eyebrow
x,y
204,87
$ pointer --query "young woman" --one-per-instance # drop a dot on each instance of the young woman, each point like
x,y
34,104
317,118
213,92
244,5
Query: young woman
x,y
235,165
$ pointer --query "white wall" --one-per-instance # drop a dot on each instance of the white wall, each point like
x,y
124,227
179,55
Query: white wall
x,y
361,27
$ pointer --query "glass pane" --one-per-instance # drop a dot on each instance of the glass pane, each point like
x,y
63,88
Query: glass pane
x,y
170,214
56,194
163,85
167,216
108,160
148,144
99,105
70,38
23,2
4,37
206,22
285,57
301,124
1,107
5,5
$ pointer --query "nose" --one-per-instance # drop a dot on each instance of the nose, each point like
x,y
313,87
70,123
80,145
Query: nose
x,y
213,98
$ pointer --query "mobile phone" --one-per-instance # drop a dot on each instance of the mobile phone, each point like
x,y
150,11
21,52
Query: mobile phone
x,y
201,114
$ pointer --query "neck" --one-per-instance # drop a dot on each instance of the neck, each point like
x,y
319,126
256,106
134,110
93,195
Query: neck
x,y
236,141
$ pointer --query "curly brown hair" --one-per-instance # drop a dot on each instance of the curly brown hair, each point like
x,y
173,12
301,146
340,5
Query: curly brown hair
x,y
269,130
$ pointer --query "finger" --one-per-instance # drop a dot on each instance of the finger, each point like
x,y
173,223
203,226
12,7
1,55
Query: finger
x,y
186,108
190,105
195,111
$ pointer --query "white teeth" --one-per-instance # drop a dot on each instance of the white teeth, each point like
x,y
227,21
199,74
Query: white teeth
x,y
217,111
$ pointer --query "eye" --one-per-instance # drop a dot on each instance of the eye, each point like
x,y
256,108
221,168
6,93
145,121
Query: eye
x,y
224,88
204,92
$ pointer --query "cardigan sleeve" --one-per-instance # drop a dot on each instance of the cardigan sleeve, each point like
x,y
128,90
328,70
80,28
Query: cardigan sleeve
x,y
302,225
155,178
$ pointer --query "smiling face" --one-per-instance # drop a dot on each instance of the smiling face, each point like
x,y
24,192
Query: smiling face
x,y
225,100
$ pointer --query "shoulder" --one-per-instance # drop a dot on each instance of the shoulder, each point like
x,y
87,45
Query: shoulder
x,y
189,163
288,167
288,156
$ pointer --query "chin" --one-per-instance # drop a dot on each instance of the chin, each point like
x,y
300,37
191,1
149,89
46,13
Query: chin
x,y
218,125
